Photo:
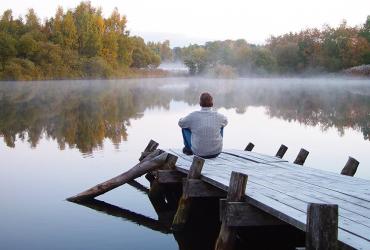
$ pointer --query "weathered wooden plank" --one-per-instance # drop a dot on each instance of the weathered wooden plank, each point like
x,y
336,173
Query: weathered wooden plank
x,y
197,188
322,227
275,183
312,172
344,223
290,215
242,214
153,161
345,213
326,174
252,156
287,185
169,176
279,214
266,200
351,211
359,191
273,173
347,219
318,193
268,171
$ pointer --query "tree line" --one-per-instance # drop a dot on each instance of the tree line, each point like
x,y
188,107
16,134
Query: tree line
x,y
77,43
81,43
310,50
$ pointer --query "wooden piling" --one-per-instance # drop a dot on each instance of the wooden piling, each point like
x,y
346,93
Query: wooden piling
x,y
322,227
152,161
183,208
152,145
301,157
249,147
281,152
157,192
236,192
351,167
157,197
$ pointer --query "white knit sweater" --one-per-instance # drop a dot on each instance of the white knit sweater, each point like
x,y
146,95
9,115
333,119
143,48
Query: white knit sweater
x,y
205,126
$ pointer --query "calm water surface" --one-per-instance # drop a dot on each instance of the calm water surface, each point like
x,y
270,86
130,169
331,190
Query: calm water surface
x,y
61,137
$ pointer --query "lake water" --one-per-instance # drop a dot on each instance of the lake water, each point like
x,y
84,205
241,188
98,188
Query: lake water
x,y
60,137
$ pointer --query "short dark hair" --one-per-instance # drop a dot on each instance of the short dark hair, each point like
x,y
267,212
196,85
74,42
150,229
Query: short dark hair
x,y
206,100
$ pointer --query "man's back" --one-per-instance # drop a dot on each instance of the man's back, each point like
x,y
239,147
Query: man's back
x,y
205,126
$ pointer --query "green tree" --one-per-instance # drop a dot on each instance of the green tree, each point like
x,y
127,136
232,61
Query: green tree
x,y
56,27
142,55
77,43
7,47
27,47
69,31
125,50
32,21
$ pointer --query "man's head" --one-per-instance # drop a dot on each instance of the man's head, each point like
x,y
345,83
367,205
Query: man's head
x,y
206,100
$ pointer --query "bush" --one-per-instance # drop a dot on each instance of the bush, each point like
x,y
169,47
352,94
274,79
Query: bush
x,y
223,71
96,67
20,69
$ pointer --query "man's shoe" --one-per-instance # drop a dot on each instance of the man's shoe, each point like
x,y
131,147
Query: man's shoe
x,y
187,151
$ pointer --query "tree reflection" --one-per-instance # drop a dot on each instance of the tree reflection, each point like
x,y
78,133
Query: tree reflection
x,y
81,114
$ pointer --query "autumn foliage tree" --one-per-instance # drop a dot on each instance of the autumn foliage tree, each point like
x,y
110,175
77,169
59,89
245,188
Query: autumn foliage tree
x,y
77,43
310,50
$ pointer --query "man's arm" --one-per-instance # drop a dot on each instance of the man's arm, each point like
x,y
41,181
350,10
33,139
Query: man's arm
x,y
223,120
185,121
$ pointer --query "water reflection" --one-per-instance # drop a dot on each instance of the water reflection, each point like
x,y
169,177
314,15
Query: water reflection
x,y
86,115
139,219
81,114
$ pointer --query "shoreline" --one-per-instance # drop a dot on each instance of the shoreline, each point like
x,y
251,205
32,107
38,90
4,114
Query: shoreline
x,y
159,73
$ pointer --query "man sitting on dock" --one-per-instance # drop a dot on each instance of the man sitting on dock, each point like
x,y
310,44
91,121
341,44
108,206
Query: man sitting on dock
x,y
202,130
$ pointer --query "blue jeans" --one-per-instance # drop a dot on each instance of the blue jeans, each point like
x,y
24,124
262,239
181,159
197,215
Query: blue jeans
x,y
186,135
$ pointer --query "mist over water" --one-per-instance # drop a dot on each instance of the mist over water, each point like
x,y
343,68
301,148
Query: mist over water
x,y
60,137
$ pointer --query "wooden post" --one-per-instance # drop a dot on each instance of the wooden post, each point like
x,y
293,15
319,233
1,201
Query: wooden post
x,y
249,147
183,208
282,150
351,167
157,197
322,227
236,192
301,157
152,145
157,192
149,163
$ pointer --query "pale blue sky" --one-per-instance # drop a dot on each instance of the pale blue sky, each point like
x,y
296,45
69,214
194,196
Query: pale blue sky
x,y
200,20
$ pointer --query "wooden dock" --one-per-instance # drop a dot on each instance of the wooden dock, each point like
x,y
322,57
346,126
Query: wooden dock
x,y
260,190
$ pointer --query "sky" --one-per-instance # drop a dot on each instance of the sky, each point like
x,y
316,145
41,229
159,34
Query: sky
x,y
197,21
